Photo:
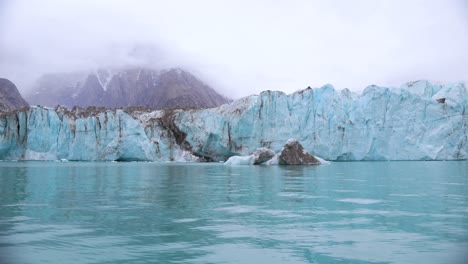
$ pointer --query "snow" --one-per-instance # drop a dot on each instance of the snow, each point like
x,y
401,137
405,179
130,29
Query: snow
x,y
104,77
139,74
405,123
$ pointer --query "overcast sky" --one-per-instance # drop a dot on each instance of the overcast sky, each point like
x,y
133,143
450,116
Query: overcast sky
x,y
241,47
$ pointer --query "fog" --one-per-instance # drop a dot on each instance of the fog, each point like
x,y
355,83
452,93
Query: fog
x,y
241,47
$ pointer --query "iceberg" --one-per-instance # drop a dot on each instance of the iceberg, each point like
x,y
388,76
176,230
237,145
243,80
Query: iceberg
x,y
240,160
417,121
260,156
292,154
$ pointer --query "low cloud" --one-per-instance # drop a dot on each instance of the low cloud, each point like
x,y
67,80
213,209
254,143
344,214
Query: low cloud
x,y
241,47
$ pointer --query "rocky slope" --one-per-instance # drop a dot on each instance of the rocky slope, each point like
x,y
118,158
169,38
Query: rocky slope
x,y
10,98
419,121
124,88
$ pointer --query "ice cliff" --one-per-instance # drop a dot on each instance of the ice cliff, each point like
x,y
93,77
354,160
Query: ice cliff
x,y
418,121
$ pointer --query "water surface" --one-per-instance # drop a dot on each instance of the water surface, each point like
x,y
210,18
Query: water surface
x,y
350,212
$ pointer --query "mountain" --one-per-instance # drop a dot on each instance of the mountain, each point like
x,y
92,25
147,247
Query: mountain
x,y
155,89
10,98
53,89
418,121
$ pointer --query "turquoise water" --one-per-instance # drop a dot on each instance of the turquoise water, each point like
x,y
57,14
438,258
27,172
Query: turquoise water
x,y
354,212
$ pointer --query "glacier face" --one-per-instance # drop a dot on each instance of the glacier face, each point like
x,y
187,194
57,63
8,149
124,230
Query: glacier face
x,y
418,121
54,134
406,123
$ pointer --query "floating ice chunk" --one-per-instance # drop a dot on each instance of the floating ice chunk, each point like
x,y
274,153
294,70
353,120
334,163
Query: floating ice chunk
x,y
240,160
322,161
261,155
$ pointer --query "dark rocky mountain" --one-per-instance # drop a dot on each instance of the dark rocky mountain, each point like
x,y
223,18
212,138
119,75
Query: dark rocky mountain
x,y
156,89
10,98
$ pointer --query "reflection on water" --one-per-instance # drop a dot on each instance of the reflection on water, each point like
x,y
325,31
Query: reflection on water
x,y
361,212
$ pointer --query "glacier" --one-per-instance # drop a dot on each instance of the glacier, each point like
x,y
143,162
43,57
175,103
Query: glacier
x,y
417,121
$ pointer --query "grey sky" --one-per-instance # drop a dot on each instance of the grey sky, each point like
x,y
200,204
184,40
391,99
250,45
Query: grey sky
x,y
241,47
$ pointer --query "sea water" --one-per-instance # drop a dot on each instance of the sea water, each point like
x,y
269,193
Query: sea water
x,y
344,212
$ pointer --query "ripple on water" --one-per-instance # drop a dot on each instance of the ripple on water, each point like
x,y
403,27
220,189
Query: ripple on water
x,y
247,253
360,201
239,209
162,213
300,195
405,195
281,213
26,205
186,220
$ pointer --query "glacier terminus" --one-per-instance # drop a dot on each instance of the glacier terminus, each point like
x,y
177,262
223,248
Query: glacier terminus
x,y
417,121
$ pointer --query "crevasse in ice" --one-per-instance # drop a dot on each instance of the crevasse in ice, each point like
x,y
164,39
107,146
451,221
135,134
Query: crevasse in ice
x,y
418,121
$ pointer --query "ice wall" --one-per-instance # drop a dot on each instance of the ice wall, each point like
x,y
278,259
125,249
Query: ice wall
x,y
54,134
406,123
418,121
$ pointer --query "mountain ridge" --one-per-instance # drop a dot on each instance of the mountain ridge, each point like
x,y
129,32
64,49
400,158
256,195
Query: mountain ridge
x,y
10,97
127,87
